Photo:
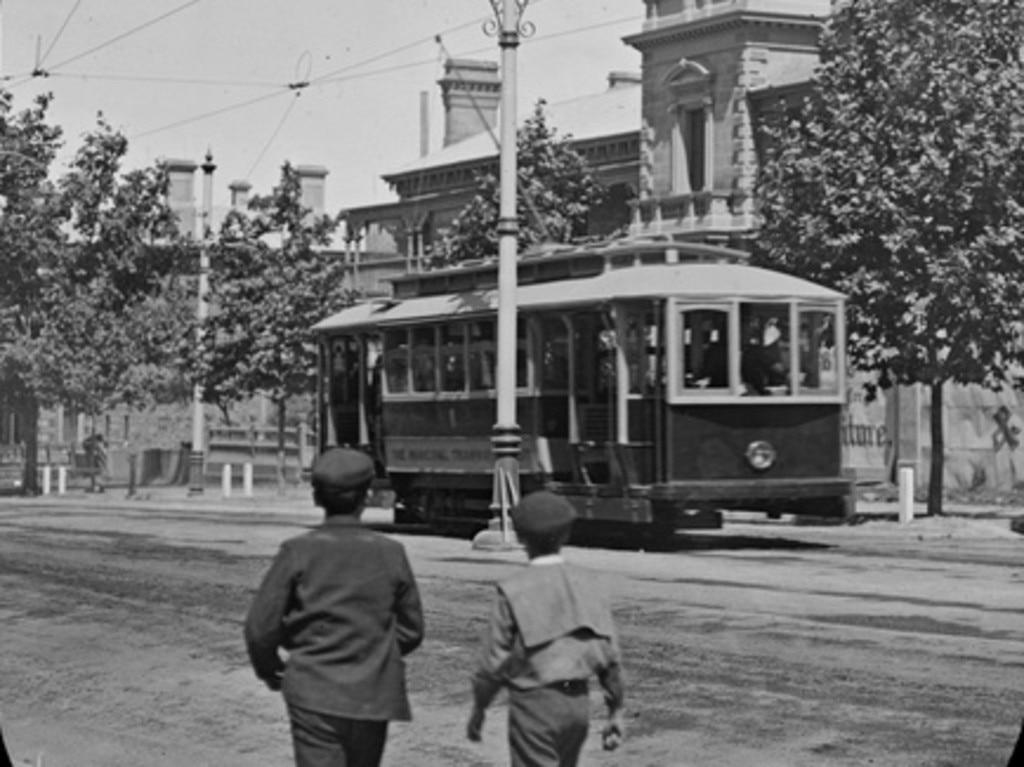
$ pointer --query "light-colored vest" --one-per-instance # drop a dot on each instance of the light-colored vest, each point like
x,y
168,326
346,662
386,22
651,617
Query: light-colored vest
x,y
551,601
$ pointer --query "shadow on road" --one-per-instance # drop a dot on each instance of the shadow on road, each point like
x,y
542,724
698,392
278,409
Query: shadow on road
x,y
693,541
711,540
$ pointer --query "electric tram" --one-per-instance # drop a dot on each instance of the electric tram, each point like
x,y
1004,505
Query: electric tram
x,y
658,383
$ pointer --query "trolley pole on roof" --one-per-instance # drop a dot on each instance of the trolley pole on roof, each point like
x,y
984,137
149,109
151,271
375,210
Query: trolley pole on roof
x,y
196,461
506,439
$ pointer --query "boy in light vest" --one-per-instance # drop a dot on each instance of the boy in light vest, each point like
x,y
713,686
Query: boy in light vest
x,y
550,631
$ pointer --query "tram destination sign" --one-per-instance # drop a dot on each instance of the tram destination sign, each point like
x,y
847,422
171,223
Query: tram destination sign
x,y
450,454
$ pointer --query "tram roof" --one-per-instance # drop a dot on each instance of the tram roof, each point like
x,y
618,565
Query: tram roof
x,y
710,281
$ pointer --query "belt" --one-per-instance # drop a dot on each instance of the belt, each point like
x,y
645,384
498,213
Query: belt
x,y
570,686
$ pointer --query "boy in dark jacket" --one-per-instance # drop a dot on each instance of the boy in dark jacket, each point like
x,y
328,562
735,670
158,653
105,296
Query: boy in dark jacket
x,y
342,603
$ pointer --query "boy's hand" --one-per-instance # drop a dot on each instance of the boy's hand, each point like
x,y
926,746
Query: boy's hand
x,y
613,732
475,724
273,683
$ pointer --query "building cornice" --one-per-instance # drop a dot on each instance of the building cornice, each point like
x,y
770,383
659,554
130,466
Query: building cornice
x,y
673,29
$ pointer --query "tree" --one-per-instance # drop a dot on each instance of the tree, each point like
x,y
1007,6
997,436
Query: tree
x,y
901,183
119,292
30,243
271,280
122,284
556,190
90,299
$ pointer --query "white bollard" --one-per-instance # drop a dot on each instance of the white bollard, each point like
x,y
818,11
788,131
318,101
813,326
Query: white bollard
x,y
225,480
62,480
906,481
247,480
46,479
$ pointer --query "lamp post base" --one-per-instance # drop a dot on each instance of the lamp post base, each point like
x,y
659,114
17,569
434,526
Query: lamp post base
x,y
195,472
496,539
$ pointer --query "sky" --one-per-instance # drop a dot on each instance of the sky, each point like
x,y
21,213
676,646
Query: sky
x,y
181,77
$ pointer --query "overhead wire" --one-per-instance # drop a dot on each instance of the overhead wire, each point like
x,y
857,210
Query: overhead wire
x,y
303,84
341,74
270,141
212,113
329,76
305,57
129,33
39,71
56,38
166,80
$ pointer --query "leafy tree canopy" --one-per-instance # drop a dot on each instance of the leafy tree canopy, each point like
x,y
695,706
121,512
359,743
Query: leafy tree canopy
x,y
901,183
556,190
271,280
118,293
31,239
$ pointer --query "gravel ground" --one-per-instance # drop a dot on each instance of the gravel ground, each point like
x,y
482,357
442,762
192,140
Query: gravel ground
x,y
758,645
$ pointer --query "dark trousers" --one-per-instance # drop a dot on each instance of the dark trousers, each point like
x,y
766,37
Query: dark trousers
x,y
323,740
547,726
1017,757
5,758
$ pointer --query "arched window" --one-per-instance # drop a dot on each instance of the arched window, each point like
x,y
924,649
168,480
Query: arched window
x,y
690,86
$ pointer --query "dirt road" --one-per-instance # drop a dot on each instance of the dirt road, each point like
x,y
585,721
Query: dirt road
x,y
755,646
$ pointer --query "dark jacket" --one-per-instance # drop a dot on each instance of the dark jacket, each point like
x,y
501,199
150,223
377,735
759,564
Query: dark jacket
x,y
342,601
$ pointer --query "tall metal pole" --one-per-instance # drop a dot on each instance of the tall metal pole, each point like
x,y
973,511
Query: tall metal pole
x,y
506,439
198,455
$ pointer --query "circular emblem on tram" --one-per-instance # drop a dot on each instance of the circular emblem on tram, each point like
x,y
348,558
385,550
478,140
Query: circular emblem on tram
x,y
760,455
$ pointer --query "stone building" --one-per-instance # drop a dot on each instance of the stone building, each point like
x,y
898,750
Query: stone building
x,y
708,67
391,238
675,146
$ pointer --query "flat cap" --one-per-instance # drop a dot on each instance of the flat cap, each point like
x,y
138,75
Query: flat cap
x,y
340,468
542,513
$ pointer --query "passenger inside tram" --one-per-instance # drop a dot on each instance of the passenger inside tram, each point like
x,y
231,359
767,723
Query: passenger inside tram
x,y
706,349
763,364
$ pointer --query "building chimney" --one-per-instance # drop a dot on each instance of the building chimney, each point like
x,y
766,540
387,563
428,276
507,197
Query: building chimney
x,y
239,194
624,79
181,193
311,180
471,91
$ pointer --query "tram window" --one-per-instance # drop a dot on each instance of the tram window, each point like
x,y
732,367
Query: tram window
x,y
705,349
344,370
424,360
453,358
522,355
641,348
481,355
594,347
606,372
765,348
396,360
818,351
554,354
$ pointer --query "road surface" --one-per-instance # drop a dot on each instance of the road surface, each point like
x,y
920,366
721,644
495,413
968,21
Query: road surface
x,y
755,646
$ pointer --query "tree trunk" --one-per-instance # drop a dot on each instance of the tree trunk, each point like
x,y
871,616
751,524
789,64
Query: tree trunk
x,y
937,467
280,446
30,479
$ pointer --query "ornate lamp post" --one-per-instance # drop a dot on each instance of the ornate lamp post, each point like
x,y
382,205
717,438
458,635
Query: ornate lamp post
x,y
196,479
505,439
